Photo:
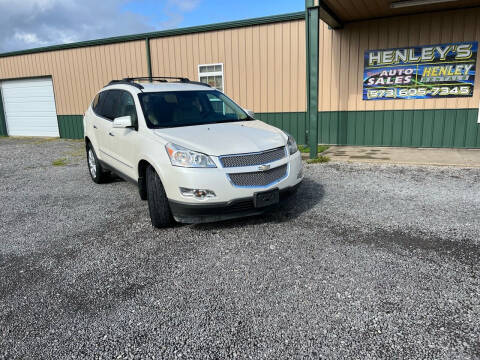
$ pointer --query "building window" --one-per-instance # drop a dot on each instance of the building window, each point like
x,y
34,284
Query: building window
x,y
211,74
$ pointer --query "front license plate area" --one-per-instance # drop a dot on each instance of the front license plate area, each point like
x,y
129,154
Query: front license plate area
x,y
266,198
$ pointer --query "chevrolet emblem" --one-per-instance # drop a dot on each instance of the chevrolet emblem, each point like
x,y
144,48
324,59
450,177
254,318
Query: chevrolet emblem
x,y
264,167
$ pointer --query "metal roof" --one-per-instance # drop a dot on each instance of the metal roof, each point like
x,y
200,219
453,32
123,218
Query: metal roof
x,y
158,34
355,10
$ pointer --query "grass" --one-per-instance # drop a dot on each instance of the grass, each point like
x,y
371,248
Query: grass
x,y
77,153
306,149
45,140
60,162
318,160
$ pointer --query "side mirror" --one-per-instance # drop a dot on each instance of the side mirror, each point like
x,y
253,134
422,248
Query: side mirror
x,y
123,122
250,113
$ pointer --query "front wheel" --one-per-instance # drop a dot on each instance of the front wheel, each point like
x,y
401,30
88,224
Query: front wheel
x,y
97,173
158,206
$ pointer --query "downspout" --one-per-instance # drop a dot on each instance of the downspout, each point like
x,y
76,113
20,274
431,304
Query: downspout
x,y
312,8
149,58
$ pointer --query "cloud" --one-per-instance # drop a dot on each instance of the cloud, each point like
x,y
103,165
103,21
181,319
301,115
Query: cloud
x,y
28,38
174,10
34,23
185,5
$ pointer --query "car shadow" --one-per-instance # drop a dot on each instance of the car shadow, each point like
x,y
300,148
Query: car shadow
x,y
308,195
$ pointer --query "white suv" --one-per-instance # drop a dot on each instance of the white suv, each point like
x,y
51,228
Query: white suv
x,y
195,154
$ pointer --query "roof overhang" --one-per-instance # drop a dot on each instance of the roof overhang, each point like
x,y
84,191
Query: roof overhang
x,y
335,13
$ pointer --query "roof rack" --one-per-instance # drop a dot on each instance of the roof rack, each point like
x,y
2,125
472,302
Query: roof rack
x,y
158,78
131,81
166,78
199,83
126,82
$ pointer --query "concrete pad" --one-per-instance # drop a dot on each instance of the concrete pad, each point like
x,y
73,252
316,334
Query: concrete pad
x,y
405,155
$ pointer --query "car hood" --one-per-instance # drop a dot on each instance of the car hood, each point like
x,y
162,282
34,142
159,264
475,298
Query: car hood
x,y
225,138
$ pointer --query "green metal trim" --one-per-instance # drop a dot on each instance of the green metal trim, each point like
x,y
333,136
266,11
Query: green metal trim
x,y
312,36
435,128
430,128
3,122
149,58
70,126
166,33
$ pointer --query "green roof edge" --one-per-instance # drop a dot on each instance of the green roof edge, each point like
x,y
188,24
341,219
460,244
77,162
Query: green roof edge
x,y
165,33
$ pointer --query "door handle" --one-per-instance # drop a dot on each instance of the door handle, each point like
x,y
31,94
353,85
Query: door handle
x,y
94,126
110,134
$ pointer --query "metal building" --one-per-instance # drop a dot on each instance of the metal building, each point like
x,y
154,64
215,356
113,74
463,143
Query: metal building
x,y
304,72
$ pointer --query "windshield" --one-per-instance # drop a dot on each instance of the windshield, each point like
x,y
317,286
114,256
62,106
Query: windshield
x,y
185,108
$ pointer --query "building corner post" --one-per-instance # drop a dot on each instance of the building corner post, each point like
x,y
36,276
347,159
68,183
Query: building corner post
x,y
312,8
149,58
3,123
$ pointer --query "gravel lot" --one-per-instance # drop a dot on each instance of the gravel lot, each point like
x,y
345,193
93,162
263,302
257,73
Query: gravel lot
x,y
369,261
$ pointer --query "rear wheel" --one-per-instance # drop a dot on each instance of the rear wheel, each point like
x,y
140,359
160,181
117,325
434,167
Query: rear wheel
x,y
98,174
158,206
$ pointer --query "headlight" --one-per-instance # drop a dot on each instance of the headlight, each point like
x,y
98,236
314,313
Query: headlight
x,y
180,156
292,145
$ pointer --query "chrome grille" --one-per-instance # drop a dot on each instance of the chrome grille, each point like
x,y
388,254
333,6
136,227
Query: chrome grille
x,y
259,178
253,159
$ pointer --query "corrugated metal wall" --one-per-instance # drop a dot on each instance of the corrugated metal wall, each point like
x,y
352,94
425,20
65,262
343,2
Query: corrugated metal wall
x,y
79,73
341,57
264,70
345,118
264,65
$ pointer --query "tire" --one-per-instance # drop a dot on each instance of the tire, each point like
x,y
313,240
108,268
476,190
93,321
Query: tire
x,y
97,173
158,206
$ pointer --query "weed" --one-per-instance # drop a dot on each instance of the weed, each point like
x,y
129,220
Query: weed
x,y
318,160
60,162
306,149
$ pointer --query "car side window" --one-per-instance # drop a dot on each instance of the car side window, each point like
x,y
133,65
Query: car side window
x,y
98,103
95,102
126,106
109,104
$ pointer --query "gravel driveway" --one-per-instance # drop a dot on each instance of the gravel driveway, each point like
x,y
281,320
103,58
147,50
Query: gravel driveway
x,y
370,261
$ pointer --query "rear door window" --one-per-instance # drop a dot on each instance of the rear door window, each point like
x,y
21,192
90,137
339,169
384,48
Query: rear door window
x,y
109,105
95,102
126,106
98,103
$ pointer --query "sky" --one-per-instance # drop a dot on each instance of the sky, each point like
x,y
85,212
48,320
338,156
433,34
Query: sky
x,y
26,24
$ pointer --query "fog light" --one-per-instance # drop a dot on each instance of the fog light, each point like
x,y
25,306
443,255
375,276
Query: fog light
x,y
199,194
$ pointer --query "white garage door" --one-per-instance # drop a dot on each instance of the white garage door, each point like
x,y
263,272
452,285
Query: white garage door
x,y
30,107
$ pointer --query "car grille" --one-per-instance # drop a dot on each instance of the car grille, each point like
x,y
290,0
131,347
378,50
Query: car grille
x,y
253,159
259,178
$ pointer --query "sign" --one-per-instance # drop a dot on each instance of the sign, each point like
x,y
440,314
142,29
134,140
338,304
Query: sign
x,y
426,72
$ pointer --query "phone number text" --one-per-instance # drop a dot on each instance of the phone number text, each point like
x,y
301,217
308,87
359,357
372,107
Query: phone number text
x,y
419,92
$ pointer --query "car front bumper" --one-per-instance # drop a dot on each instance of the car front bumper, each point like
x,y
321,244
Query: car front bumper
x,y
204,213
228,197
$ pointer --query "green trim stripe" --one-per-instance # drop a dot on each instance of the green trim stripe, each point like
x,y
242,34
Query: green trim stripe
x,y
149,58
3,122
159,34
451,128
446,128
70,126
